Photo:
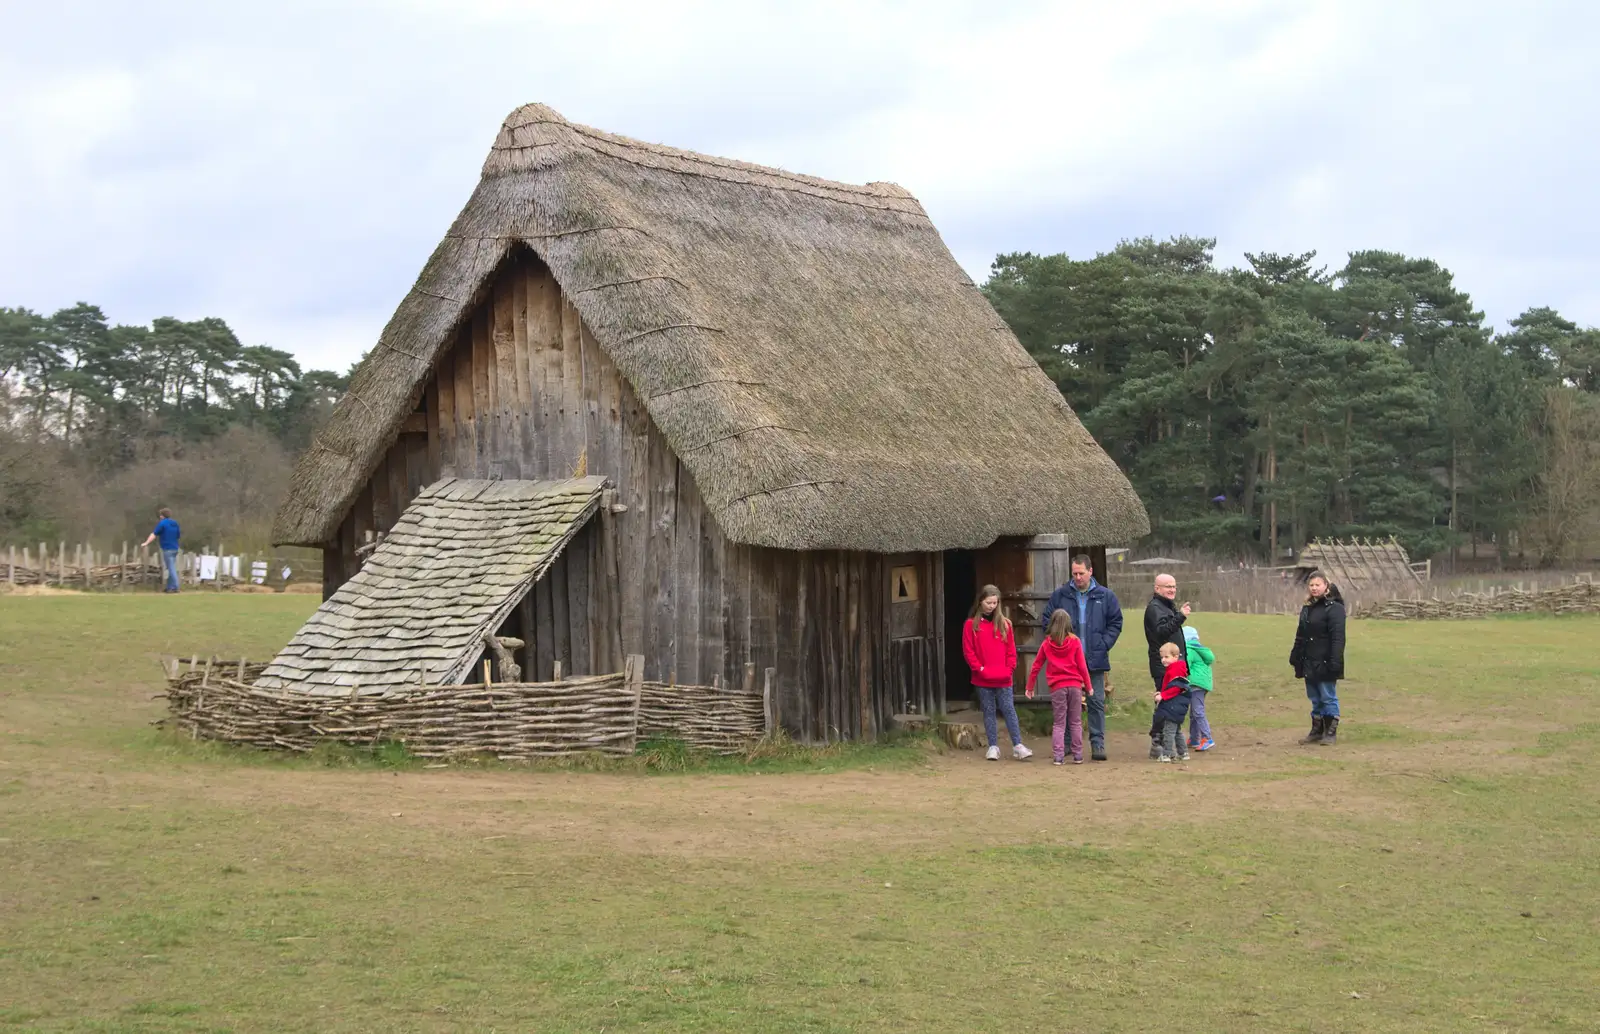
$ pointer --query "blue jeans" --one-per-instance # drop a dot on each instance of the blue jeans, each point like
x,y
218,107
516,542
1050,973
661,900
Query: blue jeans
x,y
1001,696
1097,710
169,560
1324,698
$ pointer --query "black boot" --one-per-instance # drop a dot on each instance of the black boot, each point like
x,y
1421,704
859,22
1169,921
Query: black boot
x,y
1315,735
1330,730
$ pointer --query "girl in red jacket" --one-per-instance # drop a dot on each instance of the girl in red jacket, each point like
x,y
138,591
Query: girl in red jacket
x,y
1067,675
991,648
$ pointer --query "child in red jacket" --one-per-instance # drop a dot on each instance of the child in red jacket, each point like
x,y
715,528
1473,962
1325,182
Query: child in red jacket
x,y
990,646
1067,675
1172,705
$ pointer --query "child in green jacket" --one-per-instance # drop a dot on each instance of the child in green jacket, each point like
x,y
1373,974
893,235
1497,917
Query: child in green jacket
x,y
1200,659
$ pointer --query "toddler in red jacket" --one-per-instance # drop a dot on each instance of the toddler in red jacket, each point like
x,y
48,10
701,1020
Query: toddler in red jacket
x,y
1067,675
1167,742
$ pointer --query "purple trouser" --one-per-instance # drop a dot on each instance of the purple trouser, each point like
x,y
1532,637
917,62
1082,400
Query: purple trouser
x,y
1199,728
1066,709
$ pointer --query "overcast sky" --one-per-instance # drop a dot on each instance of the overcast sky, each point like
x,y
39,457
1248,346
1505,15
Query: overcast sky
x,y
290,172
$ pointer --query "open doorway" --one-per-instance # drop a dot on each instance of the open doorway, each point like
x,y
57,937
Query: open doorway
x,y
960,586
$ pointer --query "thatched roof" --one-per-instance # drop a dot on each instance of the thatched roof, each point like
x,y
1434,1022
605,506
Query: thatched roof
x,y
1358,564
810,349
460,558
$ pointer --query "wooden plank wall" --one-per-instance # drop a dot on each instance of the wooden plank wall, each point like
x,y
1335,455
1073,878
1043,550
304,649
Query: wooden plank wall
x,y
526,392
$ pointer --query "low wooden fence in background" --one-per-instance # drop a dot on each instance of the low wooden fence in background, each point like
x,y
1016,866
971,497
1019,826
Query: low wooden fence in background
x,y
607,714
1581,597
138,567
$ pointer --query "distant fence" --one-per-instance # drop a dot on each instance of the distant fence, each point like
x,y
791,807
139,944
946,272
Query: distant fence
x,y
607,714
139,567
1581,597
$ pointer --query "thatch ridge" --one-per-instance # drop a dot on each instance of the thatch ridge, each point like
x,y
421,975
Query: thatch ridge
x,y
813,353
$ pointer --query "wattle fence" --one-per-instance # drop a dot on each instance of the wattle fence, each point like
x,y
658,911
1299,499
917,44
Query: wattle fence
x,y
606,714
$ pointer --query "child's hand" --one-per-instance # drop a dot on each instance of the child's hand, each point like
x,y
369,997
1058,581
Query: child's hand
x,y
1028,692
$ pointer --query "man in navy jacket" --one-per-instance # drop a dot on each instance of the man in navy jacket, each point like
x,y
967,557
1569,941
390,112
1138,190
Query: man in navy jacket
x,y
1097,620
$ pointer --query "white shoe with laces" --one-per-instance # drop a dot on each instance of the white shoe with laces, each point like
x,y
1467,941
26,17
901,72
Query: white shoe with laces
x,y
993,755
1021,753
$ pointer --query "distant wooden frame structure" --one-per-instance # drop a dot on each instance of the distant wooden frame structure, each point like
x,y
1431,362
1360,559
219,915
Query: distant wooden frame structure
x,y
1362,563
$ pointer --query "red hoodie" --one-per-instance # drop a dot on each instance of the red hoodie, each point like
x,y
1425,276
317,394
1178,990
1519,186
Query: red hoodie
x,y
991,657
1063,665
1175,680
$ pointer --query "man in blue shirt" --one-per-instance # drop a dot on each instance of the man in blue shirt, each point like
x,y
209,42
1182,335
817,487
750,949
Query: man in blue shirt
x,y
1097,620
167,533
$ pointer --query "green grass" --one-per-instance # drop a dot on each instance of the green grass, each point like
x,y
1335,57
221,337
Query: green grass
x,y
1437,871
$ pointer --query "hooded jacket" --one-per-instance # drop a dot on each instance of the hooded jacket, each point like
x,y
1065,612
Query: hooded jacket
x,y
1200,660
1318,652
992,657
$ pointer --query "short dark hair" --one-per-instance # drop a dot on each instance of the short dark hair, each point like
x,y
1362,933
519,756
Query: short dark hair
x,y
1083,558
164,512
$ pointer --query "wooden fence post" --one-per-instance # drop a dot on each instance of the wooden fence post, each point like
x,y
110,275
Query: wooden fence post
x,y
11,568
61,565
769,703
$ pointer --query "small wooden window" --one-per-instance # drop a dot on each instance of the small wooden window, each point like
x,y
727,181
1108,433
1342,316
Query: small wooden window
x,y
903,585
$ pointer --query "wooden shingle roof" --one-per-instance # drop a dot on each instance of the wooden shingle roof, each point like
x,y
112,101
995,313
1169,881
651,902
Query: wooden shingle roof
x,y
1359,564
464,553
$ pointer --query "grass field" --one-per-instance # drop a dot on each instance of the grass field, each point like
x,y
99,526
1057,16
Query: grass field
x,y
1439,870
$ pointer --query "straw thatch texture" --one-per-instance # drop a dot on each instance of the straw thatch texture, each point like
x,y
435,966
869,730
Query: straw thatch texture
x,y
463,554
1577,598
811,351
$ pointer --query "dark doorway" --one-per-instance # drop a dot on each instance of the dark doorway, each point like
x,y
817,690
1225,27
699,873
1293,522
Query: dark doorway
x,y
960,586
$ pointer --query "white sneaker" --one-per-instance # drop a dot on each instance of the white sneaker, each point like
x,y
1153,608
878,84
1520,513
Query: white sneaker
x,y
993,755
1021,753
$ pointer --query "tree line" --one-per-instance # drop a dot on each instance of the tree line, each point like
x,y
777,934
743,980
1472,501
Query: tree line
x,y
100,423
1257,408
1253,408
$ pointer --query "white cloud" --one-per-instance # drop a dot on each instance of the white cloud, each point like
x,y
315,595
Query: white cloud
x,y
291,170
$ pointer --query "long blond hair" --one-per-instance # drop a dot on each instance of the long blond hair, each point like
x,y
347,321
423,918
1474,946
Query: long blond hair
x,y
1060,627
1002,624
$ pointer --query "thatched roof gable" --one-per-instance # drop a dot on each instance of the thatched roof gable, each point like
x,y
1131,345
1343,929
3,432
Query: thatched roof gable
x,y
814,355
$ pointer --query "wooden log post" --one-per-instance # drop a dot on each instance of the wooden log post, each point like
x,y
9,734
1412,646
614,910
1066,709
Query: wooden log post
x,y
61,565
503,648
11,568
633,680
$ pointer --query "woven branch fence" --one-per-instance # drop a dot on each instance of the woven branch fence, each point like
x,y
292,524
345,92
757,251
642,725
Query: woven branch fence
x,y
1577,598
606,714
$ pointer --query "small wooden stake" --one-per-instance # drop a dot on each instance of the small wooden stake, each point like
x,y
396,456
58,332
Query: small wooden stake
x,y
487,681
205,679
557,673
241,669
769,703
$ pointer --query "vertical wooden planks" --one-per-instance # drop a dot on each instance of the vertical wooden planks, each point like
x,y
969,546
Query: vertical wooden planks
x,y
788,637
736,592
936,618
570,409
444,388
658,547
686,573
397,470
581,616
544,630
384,505
603,428
521,387
560,611
430,400
483,381
557,435
634,524
467,464
544,334
503,381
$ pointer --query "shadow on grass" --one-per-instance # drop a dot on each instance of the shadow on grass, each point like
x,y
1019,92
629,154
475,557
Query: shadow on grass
x,y
899,750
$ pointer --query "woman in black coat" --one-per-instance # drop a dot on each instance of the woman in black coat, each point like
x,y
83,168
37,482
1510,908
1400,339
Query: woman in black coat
x,y
1318,656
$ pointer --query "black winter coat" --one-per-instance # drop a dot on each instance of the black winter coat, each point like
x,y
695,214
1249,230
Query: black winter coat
x,y
1163,623
1318,652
